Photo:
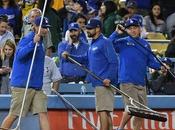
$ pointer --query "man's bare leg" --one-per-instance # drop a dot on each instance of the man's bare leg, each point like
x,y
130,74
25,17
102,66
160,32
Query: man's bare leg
x,y
44,122
110,121
124,120
8,121
137,123
104,120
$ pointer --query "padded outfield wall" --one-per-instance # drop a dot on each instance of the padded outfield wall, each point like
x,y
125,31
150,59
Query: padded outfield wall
x,y
62,117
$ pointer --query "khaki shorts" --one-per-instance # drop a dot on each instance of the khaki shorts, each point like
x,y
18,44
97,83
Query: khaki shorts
x,y
104,99
36,101
136,92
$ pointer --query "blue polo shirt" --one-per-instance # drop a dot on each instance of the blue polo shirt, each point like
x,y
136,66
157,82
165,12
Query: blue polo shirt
x,y
102,61
22,63
66,67
133,59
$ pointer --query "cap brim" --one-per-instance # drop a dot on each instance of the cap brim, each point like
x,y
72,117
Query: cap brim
x,y
89,27
132,25
133,7
73,28
46,26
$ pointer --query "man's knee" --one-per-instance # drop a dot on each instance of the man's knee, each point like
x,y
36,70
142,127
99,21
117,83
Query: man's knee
x,y
42,114
138,119
12,117
8,121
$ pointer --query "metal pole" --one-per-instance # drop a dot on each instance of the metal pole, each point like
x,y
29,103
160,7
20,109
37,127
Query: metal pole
x,y
75,109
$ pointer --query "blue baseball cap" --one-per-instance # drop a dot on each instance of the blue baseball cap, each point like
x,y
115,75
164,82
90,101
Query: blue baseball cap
x,y
131,4
45,23
74,26
93,23
139,18
132,22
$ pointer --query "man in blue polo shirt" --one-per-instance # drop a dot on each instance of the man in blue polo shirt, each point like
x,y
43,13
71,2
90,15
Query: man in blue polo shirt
x,y
134,60
69,71
102,61
35,100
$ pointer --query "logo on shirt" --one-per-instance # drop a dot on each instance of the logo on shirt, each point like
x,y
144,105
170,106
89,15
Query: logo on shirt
x,y
11,17
131,21
94,48
146,45
130,44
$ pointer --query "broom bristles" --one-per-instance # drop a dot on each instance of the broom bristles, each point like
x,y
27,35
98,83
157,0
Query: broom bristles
x,y
148,114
